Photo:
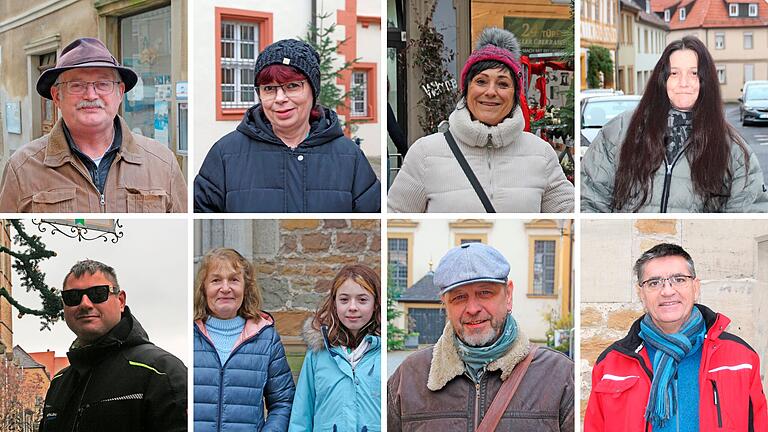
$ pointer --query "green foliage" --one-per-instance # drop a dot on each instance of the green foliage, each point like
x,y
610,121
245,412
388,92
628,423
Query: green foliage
x,y
598,60
27,264
395,335
430,55
558,323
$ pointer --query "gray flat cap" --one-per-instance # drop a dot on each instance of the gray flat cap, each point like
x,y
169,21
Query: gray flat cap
x,y
469,263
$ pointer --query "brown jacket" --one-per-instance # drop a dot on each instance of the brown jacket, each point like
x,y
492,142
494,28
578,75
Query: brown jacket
x,y
45,177
430,392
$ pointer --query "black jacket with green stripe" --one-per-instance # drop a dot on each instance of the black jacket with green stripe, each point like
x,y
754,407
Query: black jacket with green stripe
x,y
121,382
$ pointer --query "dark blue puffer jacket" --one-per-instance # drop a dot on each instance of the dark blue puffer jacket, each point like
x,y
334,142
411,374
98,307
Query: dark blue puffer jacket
x,y
252,170
232,398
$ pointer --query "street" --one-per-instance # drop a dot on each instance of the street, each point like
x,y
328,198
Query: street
x,y
756,137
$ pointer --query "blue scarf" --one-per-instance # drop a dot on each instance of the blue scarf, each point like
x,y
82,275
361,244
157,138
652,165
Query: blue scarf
x,y
670,351
476,358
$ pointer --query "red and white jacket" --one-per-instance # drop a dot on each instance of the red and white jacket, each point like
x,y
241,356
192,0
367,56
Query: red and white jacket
x,y
731,395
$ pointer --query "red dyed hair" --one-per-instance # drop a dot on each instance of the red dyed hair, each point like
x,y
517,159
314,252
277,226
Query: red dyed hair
x,y
282,74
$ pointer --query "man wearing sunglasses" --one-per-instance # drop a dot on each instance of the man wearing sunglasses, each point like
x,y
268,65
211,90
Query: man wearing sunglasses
x,y
91,161
677,369
117,379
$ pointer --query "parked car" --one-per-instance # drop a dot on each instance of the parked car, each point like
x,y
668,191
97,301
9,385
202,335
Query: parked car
x,y
596,111
753,103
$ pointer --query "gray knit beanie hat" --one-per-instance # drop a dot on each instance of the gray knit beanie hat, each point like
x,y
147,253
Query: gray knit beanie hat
x,y
295,53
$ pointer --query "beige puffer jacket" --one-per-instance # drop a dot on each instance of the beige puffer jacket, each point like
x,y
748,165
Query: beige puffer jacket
x,y
519,171
675,195
430,391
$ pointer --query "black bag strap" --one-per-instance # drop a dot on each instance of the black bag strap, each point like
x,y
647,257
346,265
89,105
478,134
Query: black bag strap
x,y
468,172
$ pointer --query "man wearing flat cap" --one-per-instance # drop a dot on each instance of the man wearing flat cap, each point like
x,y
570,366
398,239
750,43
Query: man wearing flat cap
x,y
91,161
483,374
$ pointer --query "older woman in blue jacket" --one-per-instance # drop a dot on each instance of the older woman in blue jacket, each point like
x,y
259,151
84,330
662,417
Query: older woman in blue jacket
x,y
340,383
239,362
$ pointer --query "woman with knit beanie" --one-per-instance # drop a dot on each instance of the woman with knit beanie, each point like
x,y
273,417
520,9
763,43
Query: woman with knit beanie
x,y
514,171
289,154
675,152
239,362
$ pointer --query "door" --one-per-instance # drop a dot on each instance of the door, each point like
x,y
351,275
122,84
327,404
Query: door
x,y
428,322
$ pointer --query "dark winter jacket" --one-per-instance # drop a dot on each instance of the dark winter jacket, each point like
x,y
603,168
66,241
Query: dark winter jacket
x,y
121,382
232,397
252,170
731,396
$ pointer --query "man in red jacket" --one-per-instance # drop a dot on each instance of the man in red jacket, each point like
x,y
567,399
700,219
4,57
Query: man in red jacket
x,y
677,369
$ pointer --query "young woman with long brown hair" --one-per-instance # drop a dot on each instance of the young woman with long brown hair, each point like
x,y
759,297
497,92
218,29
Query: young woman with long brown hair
x,y
340,383
675,152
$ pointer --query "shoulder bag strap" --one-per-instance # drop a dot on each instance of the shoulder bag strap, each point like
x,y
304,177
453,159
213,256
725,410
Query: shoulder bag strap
x,y
505,394
468,172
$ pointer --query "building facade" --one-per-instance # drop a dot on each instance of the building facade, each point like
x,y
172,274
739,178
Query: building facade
x,y
642,39
224,82
539,252
735,33
600,27
148,36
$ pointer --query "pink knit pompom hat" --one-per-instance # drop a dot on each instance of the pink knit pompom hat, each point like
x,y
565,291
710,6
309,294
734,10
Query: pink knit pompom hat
x,y
495,44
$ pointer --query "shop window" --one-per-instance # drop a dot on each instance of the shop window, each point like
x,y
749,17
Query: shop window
x,y
145,46
733,9
362,101
542,267
48,112
240,36
753,9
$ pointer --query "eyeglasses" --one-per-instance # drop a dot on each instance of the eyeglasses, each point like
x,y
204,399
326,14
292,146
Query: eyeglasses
x,y
676,281
96,294
80,87
291,89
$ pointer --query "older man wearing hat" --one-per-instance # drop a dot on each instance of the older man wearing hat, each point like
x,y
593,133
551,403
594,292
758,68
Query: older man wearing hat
x,y
91,161
483,374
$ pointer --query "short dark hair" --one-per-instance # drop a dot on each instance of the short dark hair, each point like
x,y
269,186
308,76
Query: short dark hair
x,y
91,267
659,251
485,65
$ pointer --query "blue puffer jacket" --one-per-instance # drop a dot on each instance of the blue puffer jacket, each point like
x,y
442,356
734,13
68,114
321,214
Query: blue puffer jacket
x,y
232,398
333,397
252,170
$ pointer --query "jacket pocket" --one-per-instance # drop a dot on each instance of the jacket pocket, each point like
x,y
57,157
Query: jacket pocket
x,y
141,201
622,401
56,201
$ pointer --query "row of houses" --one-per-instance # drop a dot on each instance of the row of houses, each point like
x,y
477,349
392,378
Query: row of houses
x,y
636,32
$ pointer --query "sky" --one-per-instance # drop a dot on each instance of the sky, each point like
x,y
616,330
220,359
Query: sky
x,y
152,265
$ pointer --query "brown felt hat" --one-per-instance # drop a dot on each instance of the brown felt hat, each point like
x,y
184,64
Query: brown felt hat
x,y
84,53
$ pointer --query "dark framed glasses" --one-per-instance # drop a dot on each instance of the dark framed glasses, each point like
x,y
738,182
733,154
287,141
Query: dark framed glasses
x,y
96,294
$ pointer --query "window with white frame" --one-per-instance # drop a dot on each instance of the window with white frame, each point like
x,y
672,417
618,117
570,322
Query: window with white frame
x,y
733,9
239,46
719,41
748,40
749,72
753,9
359,94
682,14
721,74
666,15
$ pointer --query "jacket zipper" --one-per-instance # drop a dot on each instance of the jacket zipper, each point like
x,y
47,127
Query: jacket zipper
x,y
668,180
90,180
717,405
477,405
80,408
488,148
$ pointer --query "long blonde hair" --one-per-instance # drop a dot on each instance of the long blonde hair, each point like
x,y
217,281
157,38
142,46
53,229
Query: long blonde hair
x,y
251,307
328,316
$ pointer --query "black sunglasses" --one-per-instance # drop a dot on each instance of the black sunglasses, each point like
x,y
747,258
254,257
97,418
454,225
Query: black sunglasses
x,y
96,294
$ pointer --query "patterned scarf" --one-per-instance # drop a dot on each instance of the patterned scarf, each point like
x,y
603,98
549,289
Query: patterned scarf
x,y
476,358
670,351
679,125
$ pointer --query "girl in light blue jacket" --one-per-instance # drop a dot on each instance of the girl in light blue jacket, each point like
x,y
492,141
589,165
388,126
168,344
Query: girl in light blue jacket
x,y
339,388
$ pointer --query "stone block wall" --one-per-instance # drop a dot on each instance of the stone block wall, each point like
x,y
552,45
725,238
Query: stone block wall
x,y
731,259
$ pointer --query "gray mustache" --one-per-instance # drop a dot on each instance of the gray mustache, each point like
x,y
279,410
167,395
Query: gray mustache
x,y
98,103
